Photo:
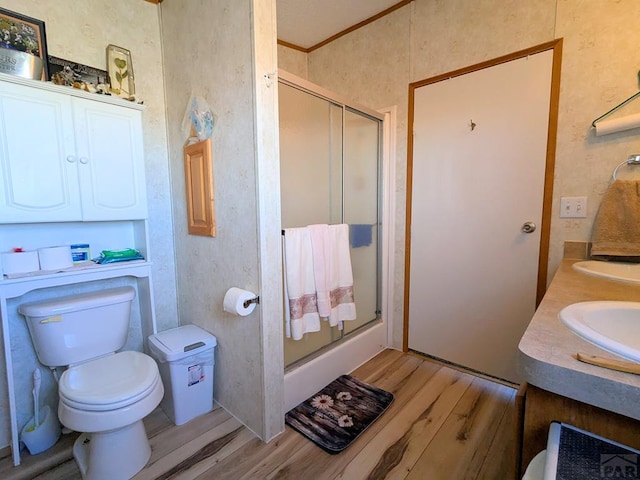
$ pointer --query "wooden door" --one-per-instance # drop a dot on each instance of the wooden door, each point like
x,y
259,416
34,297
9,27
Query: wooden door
x,y
477,194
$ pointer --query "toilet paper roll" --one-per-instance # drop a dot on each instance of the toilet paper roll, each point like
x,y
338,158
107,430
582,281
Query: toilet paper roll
x,y
55,258
234,301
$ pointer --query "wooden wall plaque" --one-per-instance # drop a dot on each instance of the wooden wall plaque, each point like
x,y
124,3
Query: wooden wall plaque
x,y
198,173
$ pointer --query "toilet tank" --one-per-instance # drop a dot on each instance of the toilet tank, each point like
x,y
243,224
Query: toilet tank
x,y
69,330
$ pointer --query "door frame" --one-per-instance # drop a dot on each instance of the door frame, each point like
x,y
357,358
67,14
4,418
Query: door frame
x,y
545,227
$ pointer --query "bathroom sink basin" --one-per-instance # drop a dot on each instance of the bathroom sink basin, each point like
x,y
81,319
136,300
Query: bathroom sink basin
x,y
621,272
613,326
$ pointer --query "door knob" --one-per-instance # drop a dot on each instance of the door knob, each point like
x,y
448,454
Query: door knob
x,y
528,227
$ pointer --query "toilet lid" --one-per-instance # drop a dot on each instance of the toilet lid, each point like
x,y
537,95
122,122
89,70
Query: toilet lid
x,y
109,382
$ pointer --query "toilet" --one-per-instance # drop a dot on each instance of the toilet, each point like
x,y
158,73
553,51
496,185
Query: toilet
x,y
103,394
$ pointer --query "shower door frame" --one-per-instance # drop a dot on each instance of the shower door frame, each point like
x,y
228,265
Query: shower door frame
x,y
307,375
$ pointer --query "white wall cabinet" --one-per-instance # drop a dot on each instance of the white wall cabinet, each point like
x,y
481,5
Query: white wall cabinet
x,y
71,171
67,158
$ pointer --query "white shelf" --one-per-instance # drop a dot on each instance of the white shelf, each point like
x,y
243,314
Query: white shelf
x,y
15,287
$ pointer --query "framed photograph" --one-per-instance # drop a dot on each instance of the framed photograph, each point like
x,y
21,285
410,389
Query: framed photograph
x,y
25,34
120,70
82,73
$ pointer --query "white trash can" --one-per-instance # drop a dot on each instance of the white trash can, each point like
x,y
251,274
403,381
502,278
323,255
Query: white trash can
x,y
185,357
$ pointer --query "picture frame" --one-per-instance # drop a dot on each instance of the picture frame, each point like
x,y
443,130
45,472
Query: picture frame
x,y
198,171
120,68
82,73
25,34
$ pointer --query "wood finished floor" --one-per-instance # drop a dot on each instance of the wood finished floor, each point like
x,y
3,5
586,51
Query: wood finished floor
x,y
443,424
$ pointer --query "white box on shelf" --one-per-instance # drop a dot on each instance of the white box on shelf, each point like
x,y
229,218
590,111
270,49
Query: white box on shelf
x,y
20,262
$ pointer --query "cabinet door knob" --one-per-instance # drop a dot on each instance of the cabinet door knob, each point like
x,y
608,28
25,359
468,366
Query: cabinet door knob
x,y
71,158
84,160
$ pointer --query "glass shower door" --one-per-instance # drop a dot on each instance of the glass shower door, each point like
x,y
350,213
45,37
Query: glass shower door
x,y
362,212
329,164
310,181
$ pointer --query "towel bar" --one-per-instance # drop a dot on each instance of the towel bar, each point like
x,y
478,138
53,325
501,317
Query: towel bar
x,y
632,160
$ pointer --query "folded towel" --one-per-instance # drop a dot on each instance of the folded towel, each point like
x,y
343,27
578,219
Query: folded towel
x,y
616,228
300,284
360,234
332,272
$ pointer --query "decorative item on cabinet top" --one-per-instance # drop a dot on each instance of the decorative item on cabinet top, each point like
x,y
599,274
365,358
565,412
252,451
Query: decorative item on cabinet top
x,y
120,68
117,81
77,75
21,38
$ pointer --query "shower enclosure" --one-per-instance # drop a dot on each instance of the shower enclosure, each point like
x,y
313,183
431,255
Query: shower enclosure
x,y
330,164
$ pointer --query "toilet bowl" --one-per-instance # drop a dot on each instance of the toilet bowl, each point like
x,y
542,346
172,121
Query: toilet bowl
x,y
109,392
107,399
102,394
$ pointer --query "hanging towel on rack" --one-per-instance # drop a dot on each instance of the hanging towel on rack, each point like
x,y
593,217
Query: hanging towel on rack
x,y
332,272
616,228
300,284
361,235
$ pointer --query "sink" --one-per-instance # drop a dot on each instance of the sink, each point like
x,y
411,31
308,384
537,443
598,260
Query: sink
x,y
613,326
619,271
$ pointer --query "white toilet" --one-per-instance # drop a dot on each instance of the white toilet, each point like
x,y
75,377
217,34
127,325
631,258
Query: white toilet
x,y
103,394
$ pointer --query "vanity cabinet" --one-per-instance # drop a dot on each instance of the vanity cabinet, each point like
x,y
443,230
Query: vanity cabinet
x,y
71,171
537,408
561,388
68,158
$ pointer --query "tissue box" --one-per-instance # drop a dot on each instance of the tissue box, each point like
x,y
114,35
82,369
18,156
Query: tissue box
x,y
20,262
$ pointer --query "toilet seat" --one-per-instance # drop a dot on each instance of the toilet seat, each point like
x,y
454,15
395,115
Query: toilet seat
x,y
91,421
110,382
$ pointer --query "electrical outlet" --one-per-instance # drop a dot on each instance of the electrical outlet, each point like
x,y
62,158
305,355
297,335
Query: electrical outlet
x,y
573,207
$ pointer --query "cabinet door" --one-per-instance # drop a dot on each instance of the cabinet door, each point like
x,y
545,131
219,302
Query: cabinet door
x,y
38,174
111,162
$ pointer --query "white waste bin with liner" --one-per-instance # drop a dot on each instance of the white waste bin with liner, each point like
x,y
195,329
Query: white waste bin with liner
x,y
185,357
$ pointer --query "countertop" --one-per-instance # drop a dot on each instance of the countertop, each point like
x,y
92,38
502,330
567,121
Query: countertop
x,y
548,348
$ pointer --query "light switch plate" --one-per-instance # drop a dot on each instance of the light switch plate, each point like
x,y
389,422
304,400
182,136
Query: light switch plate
x,y
573,207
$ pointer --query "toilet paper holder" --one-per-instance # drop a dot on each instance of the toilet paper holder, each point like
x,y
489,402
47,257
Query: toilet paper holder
x,y
255,300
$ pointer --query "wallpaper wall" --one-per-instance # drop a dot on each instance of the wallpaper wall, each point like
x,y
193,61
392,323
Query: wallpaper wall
x,y
375,64
226,65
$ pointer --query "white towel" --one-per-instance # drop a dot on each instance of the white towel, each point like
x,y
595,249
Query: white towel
x,y
321,273
285,288
332,272
300,284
